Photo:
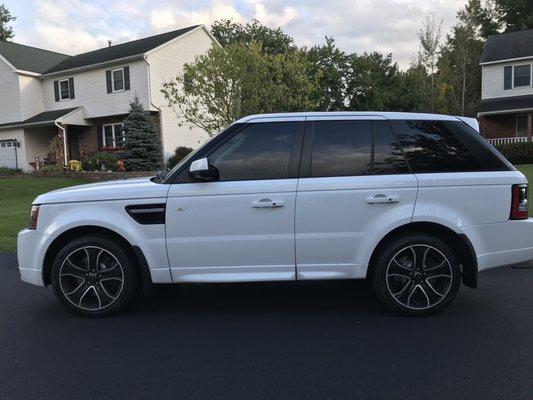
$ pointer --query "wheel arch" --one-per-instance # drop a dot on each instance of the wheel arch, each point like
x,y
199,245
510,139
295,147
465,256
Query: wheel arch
x,y
57,244
457,241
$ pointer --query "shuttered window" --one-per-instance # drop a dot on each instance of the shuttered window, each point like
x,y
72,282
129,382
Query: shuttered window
x,y
118,80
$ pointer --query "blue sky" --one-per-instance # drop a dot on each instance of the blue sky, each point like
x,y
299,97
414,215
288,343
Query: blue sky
x,y
74,26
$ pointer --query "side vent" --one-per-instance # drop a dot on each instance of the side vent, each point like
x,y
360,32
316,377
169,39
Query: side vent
x,y
147,214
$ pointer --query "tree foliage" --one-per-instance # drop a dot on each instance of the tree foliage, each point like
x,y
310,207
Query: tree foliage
x,y
142,146
6,32
273,41
238,80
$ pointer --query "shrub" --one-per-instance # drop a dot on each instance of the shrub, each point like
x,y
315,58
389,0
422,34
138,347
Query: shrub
x,y
101,161
52,168
179,154
9,171
517,153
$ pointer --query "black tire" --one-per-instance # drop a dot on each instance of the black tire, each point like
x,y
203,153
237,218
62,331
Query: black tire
x,y
416,275
100,270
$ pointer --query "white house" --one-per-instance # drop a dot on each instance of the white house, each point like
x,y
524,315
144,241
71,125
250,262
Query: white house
x,y
87,96
506,109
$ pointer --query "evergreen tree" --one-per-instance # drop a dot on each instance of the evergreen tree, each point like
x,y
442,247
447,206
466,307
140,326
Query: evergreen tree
x,y
142,146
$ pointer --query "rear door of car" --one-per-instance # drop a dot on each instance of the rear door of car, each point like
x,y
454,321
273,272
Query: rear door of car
x,y
354,187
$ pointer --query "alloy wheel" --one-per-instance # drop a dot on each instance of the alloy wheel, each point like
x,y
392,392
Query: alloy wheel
x,y
419,277
91,278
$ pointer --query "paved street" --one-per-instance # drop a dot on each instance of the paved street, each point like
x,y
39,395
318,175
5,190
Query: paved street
x,y
306,340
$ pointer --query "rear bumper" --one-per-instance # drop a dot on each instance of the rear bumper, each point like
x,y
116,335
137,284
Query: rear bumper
x,y
501,244
30,245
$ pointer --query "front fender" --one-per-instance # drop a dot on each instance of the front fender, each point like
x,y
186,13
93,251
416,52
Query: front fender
x,y
56,219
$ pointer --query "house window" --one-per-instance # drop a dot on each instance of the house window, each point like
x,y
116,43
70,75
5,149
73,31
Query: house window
x,y
118,80
64,89
522,75
521,125
112,135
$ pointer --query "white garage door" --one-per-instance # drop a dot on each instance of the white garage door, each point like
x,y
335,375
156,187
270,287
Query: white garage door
x,y
8,156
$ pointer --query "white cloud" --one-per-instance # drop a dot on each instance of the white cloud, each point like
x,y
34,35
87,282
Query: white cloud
x,y
75,26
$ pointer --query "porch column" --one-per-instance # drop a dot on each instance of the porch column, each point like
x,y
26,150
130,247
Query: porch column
x,y
63,129
529,131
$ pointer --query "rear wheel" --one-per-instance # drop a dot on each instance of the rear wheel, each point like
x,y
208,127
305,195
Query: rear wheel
x,y
94,276
417,275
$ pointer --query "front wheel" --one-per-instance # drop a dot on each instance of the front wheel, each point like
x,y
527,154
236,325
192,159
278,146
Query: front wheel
x,y
94,276
417,275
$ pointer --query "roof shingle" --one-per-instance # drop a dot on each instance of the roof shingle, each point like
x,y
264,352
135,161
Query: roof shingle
x,y
119,51
507,46
29,58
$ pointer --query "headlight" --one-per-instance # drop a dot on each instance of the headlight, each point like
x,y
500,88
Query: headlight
x,y
34,214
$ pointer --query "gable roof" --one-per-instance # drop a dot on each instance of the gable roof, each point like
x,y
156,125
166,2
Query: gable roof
x,y
29,58
508,46
119,51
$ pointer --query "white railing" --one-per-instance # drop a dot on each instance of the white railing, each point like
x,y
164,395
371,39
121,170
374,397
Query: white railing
x,y
507,140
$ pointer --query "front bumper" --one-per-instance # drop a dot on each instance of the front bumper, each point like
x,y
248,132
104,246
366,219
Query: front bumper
x,y
30,254
500,244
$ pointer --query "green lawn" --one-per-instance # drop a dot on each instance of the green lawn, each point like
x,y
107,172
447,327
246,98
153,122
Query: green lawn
x,y
527,170
16,195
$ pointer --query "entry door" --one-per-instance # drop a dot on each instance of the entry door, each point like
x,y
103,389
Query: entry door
x,y
241,226
355,186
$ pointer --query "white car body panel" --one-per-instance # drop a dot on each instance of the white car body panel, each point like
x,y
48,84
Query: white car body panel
x,y
335,226
325,229
215,234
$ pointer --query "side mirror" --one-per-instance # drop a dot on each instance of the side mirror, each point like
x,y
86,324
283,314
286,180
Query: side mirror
x,y
200,169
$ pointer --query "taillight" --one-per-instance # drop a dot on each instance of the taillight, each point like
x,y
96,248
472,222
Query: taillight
x,y
34,215
519,202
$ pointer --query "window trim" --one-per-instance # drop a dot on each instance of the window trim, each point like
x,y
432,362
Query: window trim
x,y
61,98
513,76
104,144
113,90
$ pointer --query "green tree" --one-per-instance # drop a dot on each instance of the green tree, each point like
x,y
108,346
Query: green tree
x,y
273,41
237,80
329,67
459,63
373,82
514,15
142,146
6,32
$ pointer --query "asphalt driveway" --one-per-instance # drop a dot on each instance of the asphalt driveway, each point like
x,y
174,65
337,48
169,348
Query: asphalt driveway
x,y
306,340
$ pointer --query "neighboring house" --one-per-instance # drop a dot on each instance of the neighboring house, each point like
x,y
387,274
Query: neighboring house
x,y
506,109
87,95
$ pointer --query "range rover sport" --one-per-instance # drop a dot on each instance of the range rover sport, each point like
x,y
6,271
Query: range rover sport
x,y
415,203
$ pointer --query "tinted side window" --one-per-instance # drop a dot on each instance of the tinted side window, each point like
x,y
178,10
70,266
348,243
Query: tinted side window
x,y
388,158
341,148
431,146
447,146
260,151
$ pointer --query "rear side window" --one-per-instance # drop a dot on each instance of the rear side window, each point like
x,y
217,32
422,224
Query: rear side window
x,y
445,146
341,148
351,148
387,156
260,151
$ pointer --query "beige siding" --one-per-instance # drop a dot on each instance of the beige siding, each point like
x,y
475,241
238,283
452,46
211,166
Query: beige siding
x,y
492,81
91,91
165,63
10,109
37,142
31,93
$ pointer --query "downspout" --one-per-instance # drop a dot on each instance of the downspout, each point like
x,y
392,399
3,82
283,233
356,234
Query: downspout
x,y
64,140
157,108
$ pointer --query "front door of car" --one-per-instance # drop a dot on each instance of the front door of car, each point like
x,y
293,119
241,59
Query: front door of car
x,y
239,225
354,186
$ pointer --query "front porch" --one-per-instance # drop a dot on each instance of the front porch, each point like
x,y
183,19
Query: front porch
x,y
507,128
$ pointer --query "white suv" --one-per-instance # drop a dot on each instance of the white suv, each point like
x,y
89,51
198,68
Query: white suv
x,y
416,203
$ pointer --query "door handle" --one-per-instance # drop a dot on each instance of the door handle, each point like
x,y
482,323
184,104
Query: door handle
x,y
267,203
382,199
